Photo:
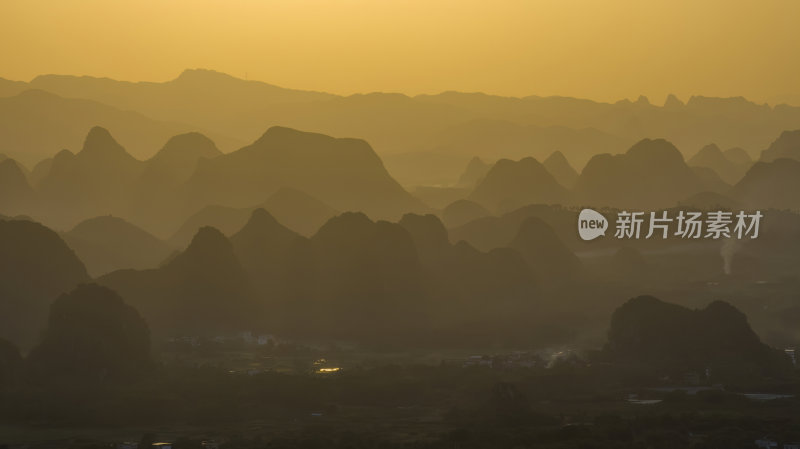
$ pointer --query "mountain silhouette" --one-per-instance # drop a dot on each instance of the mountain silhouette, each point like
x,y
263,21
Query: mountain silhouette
x,y
462,281
344,173
474,173
493,139
368,279
92,336
787,145
429,236
9,88
513,184
157,198
202,291
672,102
109,243
558,166
264,246
551,261
710,181
712,157
35,124
226,219
490,232
16,195
770,185
35,267
42,168
739,156
205,98
177,159
669,336
650,175
93,182
300,211
460,212
423,139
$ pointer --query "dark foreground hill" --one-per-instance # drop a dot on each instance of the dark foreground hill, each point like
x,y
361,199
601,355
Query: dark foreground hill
x,y
787,145
93,337
202,291
676,339
16,194
770,185
35,267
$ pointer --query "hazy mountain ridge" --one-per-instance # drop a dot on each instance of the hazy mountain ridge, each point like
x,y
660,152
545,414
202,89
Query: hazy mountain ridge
x,y
190,173
512,184
36,124
345,173
304,178
110,243
455,126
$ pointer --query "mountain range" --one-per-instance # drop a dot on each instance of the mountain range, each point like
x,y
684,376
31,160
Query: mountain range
x,y
295,173
306,178
421,138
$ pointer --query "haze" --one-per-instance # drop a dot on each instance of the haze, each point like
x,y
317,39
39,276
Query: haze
x,y
589,49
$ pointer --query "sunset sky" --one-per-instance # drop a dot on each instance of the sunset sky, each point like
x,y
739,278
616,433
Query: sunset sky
x,y
604,50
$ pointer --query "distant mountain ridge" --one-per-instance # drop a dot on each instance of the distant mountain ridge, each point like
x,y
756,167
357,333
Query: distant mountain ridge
x,y
650,175
298,174
345,173
450,126
512,184
730,170
36,124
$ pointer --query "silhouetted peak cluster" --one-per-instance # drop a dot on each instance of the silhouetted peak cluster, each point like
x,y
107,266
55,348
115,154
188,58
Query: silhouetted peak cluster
x,y
474,173
99,143
92,336
179,157
787,145
461,212
209,247
35,267
730,165
672,102
558,165
427,231
512,184
651,174
203,76
671,337
770,185
548,256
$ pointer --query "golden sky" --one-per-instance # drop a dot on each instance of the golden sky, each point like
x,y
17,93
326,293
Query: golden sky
x,y
600,49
